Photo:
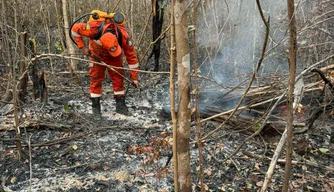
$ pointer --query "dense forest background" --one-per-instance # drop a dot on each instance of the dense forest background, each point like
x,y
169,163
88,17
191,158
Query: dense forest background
x,y
226,49
229,32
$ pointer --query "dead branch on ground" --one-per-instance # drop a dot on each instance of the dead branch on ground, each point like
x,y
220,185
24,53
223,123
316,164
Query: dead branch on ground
x,y
38,125
304,162
324,78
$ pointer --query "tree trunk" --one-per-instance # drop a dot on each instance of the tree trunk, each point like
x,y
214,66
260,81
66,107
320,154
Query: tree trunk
x,y
172,96
7,97
197,114
183,115
157,22
292,66
60,29
70,48
34,70
23,68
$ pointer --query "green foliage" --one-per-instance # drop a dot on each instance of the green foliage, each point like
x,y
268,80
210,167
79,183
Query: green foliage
x,y
256,127
303,42
58,46
67,108
323,150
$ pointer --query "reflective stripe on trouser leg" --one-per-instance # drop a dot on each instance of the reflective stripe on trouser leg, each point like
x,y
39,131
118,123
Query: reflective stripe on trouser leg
x,y
134,66
118,81
96,74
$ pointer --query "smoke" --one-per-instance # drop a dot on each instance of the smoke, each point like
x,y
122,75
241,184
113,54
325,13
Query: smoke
x,y
230,40
233,31
230,35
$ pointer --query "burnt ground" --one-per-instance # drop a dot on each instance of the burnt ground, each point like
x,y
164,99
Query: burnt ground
x,y
73,151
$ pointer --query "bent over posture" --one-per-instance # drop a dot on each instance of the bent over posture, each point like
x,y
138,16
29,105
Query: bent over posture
x,y
107,41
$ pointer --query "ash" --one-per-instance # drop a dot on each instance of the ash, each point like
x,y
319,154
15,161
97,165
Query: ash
x,y
71,150
95,154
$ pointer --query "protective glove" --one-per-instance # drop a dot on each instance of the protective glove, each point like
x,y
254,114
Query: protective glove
x,y
135,83
85,51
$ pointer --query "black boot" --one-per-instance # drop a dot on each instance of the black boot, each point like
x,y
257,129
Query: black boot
x,y
121,107
96,106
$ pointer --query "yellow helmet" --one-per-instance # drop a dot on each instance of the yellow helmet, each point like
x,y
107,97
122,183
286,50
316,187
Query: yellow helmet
x,y
117,17
97,15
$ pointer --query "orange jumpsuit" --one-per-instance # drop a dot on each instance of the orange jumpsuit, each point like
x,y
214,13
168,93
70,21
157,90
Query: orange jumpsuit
x,y
108,50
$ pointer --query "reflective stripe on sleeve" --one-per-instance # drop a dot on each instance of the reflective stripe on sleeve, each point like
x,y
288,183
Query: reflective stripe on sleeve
x,y
74,34
132,66
94,95
98,42
119,93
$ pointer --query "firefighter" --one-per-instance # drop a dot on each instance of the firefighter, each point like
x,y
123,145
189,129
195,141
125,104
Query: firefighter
x,y
107,41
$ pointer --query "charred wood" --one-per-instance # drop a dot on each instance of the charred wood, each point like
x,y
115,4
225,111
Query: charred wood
x,y
42,88
157,22
316,113
324,78
23,67
34,70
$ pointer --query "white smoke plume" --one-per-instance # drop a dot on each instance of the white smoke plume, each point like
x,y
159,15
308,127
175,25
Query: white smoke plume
x,y
232,32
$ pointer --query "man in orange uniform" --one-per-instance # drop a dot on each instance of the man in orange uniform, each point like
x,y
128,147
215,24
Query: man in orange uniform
x,y
106,42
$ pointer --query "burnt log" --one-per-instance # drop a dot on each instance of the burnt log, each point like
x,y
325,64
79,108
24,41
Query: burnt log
x,y
23,67
157,22
34,70
42,88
